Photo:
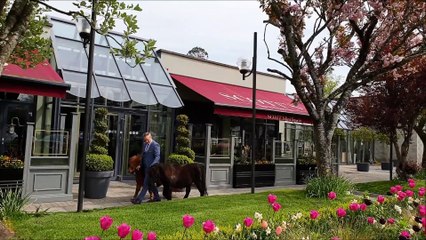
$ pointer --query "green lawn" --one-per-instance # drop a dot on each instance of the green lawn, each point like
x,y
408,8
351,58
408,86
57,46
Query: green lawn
x,y
165,217
382,187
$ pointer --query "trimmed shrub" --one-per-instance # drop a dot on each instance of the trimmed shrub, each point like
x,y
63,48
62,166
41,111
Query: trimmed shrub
x,y
179,159
320,186
184,154
98,159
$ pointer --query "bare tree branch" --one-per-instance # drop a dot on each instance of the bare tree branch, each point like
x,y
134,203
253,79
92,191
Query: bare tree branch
x,y
268,52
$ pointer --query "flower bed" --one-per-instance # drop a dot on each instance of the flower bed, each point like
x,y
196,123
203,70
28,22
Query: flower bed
x,y
399,216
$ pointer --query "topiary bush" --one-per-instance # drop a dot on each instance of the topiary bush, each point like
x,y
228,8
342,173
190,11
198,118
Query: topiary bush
x,y
98,159
184,154
319,187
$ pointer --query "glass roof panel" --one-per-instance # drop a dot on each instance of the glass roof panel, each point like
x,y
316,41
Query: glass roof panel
x,y
66,30
167,96
141,93
70,55
154,72
101,40
112,88
104,63
78,84
113,43
129,70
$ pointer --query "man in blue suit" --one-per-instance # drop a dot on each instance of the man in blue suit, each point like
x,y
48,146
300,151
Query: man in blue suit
x,y
150,158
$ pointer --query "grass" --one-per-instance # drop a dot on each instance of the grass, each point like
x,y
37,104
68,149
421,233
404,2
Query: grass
x,y
165,217
382,187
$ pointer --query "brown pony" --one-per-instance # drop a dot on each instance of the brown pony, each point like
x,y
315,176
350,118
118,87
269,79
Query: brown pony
x,y
134,162
177,176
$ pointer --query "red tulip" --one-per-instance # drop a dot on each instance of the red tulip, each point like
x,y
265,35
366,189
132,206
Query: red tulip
x,y
276,206
123,230
363,207
137,235
106,222
248,222
391,220
188,220
380,199
272,198
314,214
341,212
92,238
371,220
152,236
208,226
332,195
354,207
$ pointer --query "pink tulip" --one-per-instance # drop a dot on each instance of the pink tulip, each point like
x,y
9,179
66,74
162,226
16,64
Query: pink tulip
x,y
354,207
401,195
422,210
278,230
208,226
92,238
332,195
137,235
363,207
391,220
106,222
380,199
335,238
398,187
264,224
248,222
314,214
341,212
409,193
152,236
371,220
411,180
123,230
276,206
272,198
405,234
188,220
412,184
393,190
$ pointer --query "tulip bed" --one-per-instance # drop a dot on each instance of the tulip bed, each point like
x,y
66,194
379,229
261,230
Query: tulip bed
x,y
383,187
278,215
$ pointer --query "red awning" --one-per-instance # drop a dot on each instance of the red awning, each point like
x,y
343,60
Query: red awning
x,y
232,100
40,80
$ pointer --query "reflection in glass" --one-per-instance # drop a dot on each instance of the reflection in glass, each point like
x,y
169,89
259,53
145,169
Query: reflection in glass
x,y
154,72
50,143
104,63
220,147
66,30
112,88
166,96
78,84
71,55
129,70
141,92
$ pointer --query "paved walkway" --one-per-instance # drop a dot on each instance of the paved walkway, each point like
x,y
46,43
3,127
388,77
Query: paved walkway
x,y
120,193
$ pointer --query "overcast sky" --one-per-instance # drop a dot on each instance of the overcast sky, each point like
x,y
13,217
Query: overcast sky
x,y
223,28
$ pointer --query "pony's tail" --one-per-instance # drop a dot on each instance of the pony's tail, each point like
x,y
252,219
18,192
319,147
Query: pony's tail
x,y
203,178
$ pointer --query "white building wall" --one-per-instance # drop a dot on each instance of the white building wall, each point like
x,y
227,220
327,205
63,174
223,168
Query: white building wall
x,y
415,153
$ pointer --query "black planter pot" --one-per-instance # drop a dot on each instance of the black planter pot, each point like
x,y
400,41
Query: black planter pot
x,y
305,172
11,174
385,166
264,175
363,167
97,183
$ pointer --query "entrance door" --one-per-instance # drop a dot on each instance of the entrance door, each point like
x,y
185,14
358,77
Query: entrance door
x,y
126,136
13,119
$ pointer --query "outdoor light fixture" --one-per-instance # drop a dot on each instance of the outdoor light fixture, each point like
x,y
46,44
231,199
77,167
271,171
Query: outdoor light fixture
x,y
84,28
244,65
87,33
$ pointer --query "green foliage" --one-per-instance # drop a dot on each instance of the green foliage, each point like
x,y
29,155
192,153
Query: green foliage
x,y
8,162
12,203
363,134
179,159
338,132
382,187
198,52
187,152
97,160
184,154
319,187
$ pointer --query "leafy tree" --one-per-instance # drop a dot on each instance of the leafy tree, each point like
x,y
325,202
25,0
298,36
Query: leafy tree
x,y
22,23
370,37
198,53
393,107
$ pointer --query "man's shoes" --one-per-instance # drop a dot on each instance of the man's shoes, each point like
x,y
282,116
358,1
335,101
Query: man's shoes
x,y
134,201
154,200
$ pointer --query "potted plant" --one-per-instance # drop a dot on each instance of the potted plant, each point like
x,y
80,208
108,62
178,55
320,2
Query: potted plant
x,y
306,168
99,165
11,169
364,136
184,154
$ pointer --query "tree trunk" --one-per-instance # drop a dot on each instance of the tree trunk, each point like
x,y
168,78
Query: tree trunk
x,y
405,147
422,134
322,141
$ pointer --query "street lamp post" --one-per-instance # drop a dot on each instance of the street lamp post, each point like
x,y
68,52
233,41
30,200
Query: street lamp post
x,y
244,67
87,33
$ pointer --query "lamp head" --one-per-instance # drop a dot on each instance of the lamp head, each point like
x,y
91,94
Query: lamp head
x,y
244,65
84,28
